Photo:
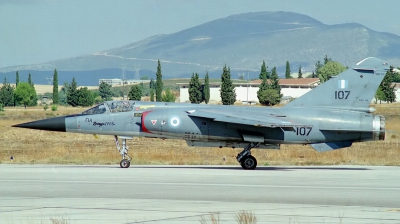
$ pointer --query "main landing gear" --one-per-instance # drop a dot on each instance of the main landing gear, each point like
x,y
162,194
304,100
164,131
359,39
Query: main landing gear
x,y
126,160
246,160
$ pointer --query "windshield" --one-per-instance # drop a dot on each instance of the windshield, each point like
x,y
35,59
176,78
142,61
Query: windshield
x,y
120,106
99,109
111,107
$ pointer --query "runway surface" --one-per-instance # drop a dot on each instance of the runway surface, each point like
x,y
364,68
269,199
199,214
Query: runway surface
x,y
185,194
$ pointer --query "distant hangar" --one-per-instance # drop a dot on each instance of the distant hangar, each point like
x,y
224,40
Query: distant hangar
x,y
247,92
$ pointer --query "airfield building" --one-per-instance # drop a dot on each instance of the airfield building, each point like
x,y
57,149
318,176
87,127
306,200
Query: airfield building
x,y
247,92
119,82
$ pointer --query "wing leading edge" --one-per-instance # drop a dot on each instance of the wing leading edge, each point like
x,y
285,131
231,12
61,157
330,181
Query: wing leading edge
x,y
270,121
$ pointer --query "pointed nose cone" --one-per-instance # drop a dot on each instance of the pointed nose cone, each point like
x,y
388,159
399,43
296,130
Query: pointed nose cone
x,y
51,124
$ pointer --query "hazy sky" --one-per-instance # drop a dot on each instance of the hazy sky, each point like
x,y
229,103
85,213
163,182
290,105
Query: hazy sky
x,y
36,31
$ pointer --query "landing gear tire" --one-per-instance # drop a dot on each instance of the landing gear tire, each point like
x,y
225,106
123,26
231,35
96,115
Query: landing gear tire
x,y
125,163
248,162
123,151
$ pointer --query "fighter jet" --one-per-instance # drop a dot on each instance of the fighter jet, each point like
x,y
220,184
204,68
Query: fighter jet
x,y
332,116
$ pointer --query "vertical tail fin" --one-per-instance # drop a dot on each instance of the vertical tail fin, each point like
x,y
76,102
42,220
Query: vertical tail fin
x,y
351,89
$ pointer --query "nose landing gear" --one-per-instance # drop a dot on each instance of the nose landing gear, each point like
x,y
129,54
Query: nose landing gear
x,y
123,151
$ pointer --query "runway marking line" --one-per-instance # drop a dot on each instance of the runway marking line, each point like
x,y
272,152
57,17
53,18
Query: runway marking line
x,y
202,184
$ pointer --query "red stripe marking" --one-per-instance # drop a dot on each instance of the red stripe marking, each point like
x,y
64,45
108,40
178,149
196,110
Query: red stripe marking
x,y
144,114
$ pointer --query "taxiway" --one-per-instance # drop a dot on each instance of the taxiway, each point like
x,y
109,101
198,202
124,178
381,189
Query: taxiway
x,y
185,194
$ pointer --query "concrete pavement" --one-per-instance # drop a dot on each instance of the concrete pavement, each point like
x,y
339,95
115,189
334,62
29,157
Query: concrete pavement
x,y
185,194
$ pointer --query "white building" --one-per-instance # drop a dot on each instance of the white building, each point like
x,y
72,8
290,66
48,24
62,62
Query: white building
x,y
119,82
113,82
397,91
247,92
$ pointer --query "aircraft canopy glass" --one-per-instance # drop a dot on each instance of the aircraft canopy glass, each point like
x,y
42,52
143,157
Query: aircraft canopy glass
x,y
99,109
111,107
120,106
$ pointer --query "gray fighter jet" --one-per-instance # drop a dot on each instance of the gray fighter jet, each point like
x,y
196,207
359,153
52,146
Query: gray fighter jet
x,y
331,116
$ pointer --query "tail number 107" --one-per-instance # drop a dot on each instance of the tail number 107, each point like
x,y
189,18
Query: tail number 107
x,y
342,95
304,131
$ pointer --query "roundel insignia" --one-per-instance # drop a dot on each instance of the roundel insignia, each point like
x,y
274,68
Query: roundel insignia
x,y
174,121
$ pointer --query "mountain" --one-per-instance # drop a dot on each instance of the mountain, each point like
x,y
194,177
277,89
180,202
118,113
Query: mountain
x,y
242,42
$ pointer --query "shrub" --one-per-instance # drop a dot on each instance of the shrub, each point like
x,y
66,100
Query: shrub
x,y
246,217
54,107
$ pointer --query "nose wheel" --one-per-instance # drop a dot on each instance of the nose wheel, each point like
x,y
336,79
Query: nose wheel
x,y
125,163
126,160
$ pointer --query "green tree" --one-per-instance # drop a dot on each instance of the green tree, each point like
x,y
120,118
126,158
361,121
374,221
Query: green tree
x,y
228,94
105,91
98,100
387,88
168,96
56,98
195,94
135,93
396,77
318,67
85,97
264,71
379,95
269,97
269,94
16,79
287,72
152,95
206,89
331,68
263,87
300,74
151,83
326,59
35,98
72,94
62,95
313,75
274,81
30,79
159,83
25,94
7,94
145,77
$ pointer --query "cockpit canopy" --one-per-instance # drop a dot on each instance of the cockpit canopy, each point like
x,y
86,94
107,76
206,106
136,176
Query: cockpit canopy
x,y
111,107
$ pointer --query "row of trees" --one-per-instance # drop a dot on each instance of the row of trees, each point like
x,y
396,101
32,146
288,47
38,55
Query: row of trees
x,y
23,94
156,89
71,94
199,93
269,92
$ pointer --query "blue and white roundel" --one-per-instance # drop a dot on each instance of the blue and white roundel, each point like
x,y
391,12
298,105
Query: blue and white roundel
x,y
174,121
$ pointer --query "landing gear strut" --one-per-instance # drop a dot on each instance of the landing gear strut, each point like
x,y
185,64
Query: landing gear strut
x,y
246,160
126,160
